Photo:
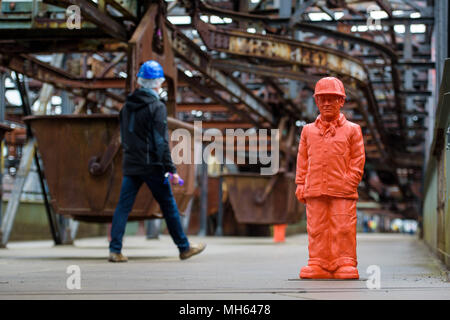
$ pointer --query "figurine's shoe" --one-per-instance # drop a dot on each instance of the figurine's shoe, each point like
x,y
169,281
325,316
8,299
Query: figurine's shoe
x,y
346,272
315,272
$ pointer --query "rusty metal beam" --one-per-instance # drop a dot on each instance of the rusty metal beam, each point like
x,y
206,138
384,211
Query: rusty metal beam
x,y
348,37
372,130
151,41
90,12
378,46
209,9
123,10
117,59
328,32
288,72
36,69
52,34
385,6
287,102
227,124
263,70
191,54
278,48
65,45
201,89
297,16
407,160
33,68
269,72
205,107
295,53
351,92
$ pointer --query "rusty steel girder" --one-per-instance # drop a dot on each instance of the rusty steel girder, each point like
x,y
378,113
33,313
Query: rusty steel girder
x,y
203,7
190,53
36,69
294,53
151,41
92,13
291,73
280,49
203,90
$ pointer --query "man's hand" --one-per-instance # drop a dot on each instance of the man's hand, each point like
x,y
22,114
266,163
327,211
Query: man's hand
x,y
176,178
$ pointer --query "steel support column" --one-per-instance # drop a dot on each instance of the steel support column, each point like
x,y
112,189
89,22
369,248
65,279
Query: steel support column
x,y
219,229
54,227
2,119
204,197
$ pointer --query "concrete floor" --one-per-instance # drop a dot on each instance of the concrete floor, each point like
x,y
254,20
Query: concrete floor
x,y
230,268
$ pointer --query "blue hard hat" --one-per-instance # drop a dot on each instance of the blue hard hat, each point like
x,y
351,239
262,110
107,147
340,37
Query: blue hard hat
x,y
151,70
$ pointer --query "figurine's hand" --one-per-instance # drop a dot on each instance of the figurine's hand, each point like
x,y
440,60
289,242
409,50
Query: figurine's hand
x,y
299,193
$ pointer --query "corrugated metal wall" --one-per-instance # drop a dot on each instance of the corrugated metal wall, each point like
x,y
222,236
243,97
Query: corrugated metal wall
x,y
436,210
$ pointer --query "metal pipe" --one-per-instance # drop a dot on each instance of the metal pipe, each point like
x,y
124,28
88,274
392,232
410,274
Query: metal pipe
x,y
2,96
27,111
204,197
219,229
2,119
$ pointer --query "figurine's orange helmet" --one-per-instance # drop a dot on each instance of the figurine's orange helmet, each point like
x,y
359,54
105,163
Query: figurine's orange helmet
x,y
330,85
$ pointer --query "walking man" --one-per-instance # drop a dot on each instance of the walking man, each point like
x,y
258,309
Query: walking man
x,y
330,164
146,159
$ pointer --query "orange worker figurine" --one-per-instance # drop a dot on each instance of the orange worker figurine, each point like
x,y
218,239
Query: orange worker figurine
x,y
330,165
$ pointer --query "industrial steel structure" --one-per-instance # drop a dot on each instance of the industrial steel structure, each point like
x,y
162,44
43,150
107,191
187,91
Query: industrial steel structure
x,y
230,64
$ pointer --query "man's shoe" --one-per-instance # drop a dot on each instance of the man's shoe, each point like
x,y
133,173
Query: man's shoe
x,y
194,248
346,272
117,257
315,272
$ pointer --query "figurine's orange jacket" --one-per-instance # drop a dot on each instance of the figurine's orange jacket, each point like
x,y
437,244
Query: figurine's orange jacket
x,y
330,160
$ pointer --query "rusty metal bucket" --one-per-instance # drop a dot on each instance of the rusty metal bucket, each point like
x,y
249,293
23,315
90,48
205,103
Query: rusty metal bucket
x,y
3,130
280,206
69,143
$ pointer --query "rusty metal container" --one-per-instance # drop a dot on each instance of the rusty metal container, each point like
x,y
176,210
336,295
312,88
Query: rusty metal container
x,y
67,144
4,128
279,207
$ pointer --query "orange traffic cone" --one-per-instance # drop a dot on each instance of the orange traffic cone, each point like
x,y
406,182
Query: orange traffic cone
x,y
279,232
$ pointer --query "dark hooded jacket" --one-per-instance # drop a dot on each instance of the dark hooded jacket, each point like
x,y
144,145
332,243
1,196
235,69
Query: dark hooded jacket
x,y
144,134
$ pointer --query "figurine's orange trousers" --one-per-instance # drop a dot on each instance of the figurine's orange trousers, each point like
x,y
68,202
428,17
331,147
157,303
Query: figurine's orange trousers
x,y
331,226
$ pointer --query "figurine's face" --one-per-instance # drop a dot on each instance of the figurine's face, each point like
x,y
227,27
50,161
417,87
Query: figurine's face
x,y
329,105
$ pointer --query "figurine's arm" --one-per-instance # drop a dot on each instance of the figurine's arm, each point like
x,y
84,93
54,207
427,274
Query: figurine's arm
x,y
302,167
357,158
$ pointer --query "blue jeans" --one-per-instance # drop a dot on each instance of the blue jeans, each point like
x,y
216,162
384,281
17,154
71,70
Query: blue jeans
x,y
160,188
